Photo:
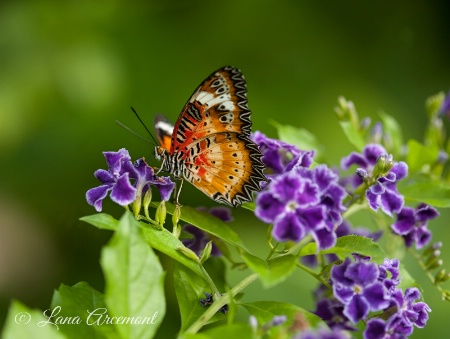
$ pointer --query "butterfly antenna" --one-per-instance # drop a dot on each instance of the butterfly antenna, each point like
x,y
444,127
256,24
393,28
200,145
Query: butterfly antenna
x,y
144,125
132,132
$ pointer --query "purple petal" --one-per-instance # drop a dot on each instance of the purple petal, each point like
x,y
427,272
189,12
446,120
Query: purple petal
x,y
94,196
288,228
307,194
374,200
405,221
400,169
343,293
376,296
324,238
267,207
165,187
362,273
377,189
423,236
123,193
375,329
285,186
372,151
352,159
391,202
357,309
114,160
303,159
324,177
422,310
314,217
338,273
426,212
104,176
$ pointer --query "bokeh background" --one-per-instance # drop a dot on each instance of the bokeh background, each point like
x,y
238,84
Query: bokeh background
x,y
69,69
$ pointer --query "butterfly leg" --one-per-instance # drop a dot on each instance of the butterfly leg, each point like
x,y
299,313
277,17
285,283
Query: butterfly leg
x,y
179,191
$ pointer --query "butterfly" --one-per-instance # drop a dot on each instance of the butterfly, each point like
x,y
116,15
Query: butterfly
x,y
210,145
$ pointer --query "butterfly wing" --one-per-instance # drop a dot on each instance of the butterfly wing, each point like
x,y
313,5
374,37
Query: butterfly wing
x,y
164,131
226,166
218,105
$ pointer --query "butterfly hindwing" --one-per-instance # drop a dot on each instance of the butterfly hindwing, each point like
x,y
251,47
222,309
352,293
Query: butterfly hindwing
x,y
218,105
226,166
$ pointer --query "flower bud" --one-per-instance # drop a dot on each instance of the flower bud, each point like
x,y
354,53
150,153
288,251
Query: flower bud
x,y
147,199
384,164
188,253
176,215
438,278
161,212
362,173
136,207
206,252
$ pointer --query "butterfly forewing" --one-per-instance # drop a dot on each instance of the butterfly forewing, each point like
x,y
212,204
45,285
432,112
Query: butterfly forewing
x,y
218,105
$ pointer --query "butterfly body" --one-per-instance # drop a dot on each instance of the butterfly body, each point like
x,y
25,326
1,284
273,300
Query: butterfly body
x,y
209,144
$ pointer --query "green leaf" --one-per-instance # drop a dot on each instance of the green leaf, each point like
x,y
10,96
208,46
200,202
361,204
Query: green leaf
x,y
264,311
23,322
353,134
85,303
393,129
271,272
190,288
101,220
347,245
167,243
207,223
420,157
134,281
161,240
421,188
299,137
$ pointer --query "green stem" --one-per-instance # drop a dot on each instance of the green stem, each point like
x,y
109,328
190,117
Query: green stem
x,y
218,303
210,282
314,274
272,251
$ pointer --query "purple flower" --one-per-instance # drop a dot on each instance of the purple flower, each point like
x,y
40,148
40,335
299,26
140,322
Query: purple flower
x,y
400,324
303,201
381,175
278,155
199,238
117,180
390,274
412,224
356,286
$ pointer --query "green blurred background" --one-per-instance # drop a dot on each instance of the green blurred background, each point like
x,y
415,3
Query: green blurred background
x,y
69,69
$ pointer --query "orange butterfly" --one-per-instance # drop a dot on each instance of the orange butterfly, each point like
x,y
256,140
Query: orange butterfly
x,y
209,145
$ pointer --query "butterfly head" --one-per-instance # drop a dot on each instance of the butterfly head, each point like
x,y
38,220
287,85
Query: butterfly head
x,y
160,153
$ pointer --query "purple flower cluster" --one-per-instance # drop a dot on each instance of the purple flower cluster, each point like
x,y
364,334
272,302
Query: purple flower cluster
x,y
377,170
279,156
361,287
412,224
199,238
126,181
302,201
